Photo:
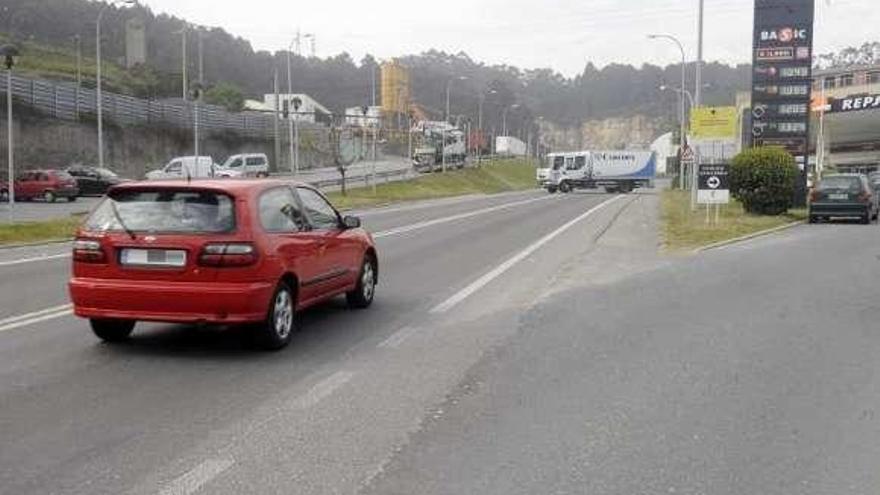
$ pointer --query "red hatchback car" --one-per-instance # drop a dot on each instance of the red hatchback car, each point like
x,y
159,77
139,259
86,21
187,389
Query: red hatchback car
x,y
251,252
48,185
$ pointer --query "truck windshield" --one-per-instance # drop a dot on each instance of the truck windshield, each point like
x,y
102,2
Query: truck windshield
x,y
558,162
190,211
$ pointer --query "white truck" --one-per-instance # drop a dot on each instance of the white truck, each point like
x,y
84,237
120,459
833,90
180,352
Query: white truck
x,y
616,171
509,146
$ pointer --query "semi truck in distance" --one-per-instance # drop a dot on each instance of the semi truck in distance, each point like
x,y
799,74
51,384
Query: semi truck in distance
x,y
616,171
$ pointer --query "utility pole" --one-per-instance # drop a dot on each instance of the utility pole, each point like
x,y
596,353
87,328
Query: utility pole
x,y
201,60
698,96
183,62
373,84
289,104
78,42
277,158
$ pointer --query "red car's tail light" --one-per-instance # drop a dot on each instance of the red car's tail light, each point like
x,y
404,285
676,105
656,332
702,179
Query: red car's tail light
x,y
228,255
88,251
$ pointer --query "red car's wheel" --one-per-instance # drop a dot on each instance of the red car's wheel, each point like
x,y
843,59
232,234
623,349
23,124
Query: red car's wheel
x,y
280,324
112,330
362,295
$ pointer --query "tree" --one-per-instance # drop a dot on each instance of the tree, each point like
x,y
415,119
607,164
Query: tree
x,y
226,95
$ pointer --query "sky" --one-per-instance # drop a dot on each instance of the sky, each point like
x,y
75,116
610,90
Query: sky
x,y
560,34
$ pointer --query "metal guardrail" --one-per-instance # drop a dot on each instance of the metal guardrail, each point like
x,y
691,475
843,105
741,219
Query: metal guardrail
x,y
386,176
66,101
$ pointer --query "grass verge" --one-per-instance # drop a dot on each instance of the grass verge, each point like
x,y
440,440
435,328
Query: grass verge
x,y
492,177
28,232
685,230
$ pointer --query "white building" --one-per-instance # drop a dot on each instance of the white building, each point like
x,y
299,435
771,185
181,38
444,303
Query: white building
x,y
309,109
665,149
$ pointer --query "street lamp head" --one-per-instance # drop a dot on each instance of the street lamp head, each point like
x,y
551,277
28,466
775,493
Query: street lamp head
x,y
10,55
663,87
653,36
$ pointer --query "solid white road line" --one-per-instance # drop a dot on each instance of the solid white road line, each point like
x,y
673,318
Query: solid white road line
x,y
323,389
14,322
34,259
507,265
194,479
437,221
395,340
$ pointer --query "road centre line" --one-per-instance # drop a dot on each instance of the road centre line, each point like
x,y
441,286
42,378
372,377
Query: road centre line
x,y
194,479
510,263
323,389
396,339
14,322
461,216
34,259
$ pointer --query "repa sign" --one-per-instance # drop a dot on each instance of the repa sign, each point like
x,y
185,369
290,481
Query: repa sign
x,y
855,103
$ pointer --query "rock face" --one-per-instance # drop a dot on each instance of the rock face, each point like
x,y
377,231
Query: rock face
x,y
636,132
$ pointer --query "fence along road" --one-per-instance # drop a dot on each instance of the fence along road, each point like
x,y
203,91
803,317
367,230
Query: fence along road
x,y
67,102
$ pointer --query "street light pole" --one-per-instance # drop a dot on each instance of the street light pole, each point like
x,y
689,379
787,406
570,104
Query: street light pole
x,y
100,98
78,41
98,89
9,53
682,115
289,113
184,88
445,123
699,78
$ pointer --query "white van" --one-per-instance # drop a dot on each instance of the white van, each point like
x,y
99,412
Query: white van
x,y
185,167
245,165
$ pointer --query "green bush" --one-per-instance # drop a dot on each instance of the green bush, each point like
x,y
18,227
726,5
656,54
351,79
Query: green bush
x,y
763,179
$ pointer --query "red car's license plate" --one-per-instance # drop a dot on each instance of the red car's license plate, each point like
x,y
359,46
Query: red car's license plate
x,y
153,257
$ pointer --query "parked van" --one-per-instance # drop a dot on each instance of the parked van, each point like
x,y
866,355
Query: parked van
x,y
185,167
245,165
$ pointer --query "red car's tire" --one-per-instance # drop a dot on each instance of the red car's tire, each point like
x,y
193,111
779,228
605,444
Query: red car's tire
x,y
112,330
365,290
277,331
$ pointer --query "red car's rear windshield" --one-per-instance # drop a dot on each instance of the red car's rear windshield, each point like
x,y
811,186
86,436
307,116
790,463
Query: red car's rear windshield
x,y
164,211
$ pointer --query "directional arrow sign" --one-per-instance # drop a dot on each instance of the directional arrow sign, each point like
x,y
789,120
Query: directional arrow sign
x,y
713,184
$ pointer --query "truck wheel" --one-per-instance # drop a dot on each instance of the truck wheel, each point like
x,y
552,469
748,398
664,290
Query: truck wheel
x,y
565,187
626,188
611,190
551,189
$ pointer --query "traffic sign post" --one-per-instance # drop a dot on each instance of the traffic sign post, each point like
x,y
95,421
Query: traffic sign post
x,y
713,183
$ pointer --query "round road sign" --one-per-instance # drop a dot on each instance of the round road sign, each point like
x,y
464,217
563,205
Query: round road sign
x,y
714,182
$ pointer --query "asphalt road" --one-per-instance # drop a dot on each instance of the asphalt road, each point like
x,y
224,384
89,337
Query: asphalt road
x,y
521,343
752,369
184,410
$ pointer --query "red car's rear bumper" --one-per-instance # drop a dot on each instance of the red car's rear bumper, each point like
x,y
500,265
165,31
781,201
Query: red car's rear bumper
x,y
176,302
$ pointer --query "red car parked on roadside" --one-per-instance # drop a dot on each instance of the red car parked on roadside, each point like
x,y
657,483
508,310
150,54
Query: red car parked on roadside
x,y
48,185
251,252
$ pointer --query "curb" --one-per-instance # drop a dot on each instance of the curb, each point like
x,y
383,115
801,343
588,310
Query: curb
x,y
748,237
50,242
